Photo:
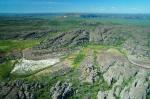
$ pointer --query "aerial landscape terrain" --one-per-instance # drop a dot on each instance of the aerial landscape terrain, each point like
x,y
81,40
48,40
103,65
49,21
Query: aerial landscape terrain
x,y
77,56
74,55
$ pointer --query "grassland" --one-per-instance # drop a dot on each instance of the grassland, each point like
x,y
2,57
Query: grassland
x,y
10,45
5,69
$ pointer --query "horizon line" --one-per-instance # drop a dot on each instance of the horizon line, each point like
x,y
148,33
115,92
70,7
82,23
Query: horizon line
x,y
65,13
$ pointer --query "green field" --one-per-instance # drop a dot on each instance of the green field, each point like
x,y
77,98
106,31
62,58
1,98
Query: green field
x,y
10,45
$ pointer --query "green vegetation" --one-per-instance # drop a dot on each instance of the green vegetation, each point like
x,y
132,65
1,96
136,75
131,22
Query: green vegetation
x,y
5,69
20,26
7,46
117,97
120,21
10,45
127,82
78,59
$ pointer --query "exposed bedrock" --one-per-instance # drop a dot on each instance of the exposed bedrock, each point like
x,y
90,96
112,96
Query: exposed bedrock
x,y
126,80
72,38
19,89
87,69
61,90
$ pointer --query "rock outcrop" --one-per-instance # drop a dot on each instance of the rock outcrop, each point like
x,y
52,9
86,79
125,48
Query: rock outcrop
x,y
88,72
137,48
68,39
137,89
100,34
19,89
126,80
61,90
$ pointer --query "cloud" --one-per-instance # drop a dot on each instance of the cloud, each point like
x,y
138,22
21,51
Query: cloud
x,y
113,7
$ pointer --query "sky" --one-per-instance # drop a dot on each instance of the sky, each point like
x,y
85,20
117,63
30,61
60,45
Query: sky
x,y
75,6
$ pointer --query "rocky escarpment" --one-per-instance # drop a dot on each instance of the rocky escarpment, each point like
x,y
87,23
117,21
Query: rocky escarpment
x,y
133,42
102,71
136,44
57,46
127,81
20,89
134,88
107,70
108,35
68,39
100,34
